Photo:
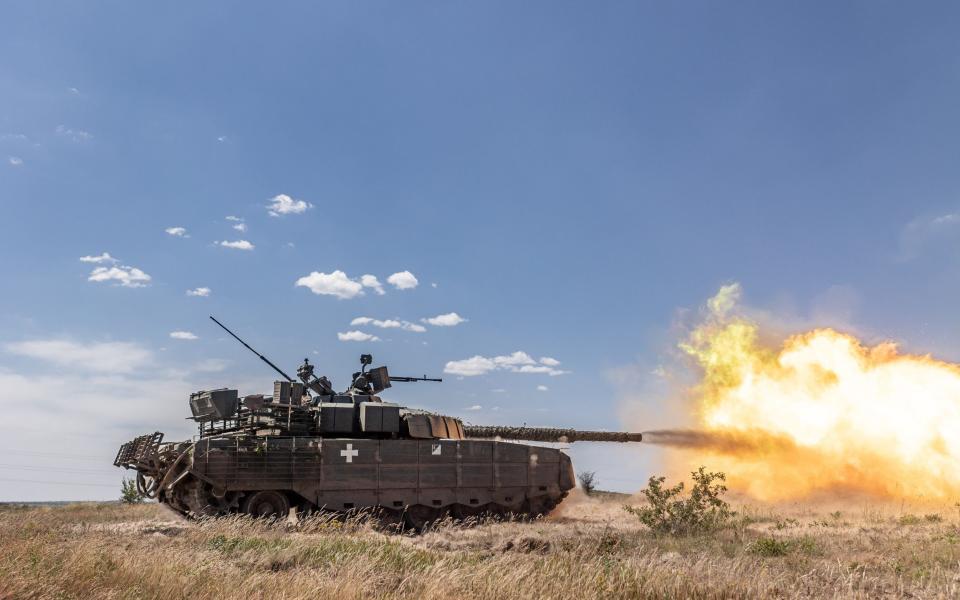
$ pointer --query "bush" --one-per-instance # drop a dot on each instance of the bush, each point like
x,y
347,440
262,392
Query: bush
x,y
129,494
588,481
668,512
769,546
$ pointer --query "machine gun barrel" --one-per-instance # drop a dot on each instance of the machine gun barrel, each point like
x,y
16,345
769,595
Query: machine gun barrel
x,y
409,379
548,434
262,357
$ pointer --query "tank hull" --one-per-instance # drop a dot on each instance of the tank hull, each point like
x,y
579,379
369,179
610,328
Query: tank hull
x,y
428,478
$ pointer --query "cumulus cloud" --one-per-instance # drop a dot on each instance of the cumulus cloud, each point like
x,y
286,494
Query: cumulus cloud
x,y
76,135
518,362
240,226
446,320
469,367
106,357
233,218
370,281
542,388
15,161
103,258
183,335
201,292
388,324
177,231
331,284
123,275
550,362
475,407
404,280
357,336
515,359
283,204
238,244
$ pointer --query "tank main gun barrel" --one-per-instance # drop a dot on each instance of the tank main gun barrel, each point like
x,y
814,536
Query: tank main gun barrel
x,y
548,434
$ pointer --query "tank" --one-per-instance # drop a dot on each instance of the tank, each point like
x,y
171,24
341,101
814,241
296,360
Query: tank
x,y
309,447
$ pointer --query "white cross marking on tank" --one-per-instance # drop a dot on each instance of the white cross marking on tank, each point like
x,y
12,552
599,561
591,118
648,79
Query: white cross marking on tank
x,y
349,453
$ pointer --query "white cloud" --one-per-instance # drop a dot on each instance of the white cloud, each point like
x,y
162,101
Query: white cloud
x,y
404,280
105,257
371,281
518,362
73,90
331,284
233,218
77,135
475,407
542,388
446,320
106,357
388,324
283,204
221,138
238,244
433,285
357,336
202,292
15,161
125,276
469,367
177,231
240,226
18,137
515,359
183,335
550,362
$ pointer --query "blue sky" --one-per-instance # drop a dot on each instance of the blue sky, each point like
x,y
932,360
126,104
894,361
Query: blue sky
x,y
566,177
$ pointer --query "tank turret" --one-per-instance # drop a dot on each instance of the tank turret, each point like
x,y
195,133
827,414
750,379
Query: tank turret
x,y
310,447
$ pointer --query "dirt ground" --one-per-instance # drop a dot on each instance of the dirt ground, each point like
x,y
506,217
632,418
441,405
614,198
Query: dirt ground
x,y
590,548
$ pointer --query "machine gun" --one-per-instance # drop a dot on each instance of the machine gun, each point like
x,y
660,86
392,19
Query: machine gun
x,y
378,379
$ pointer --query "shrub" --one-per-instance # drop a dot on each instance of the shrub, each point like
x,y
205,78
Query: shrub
x,y
909,519
129,494
769,546
669,512
588,481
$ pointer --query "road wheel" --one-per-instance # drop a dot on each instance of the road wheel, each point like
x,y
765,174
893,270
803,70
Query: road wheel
x,y
267,504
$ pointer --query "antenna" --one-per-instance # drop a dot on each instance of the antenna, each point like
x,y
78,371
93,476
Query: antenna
x,y
262,357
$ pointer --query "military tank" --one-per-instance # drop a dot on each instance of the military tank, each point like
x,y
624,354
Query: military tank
x,y
309,447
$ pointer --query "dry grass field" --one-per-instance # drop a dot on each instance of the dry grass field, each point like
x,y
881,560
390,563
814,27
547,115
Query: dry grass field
x,y
590,548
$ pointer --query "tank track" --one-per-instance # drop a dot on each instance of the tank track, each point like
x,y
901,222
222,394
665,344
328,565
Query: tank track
x,y
196,499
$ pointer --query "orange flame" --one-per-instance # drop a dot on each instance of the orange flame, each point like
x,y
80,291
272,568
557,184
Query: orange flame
x,y
823,412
